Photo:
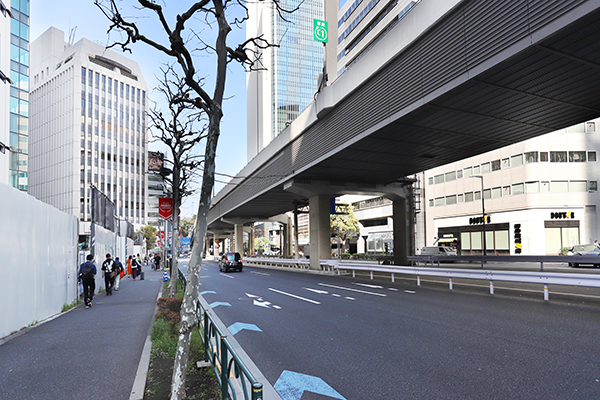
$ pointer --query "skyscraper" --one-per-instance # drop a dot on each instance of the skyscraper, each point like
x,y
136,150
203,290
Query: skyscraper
x,y
88,128
18,117
288,79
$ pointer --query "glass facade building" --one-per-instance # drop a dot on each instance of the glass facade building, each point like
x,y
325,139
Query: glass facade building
x,y
19,93
296,63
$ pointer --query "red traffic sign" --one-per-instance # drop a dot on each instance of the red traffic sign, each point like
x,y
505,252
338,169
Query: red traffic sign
x,y
161,234
165,207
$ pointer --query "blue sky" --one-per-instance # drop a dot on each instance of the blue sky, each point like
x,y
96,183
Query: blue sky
x,y
91,24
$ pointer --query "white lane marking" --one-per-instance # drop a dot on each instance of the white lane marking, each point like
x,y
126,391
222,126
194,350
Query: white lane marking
x,y
410,291
294,296
259,273
317,291
336,295
354,290
369,286
350,298
277,307
393,289
227,276
252,296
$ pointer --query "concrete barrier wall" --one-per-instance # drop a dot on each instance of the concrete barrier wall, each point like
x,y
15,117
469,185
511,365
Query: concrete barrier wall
x,y
38,260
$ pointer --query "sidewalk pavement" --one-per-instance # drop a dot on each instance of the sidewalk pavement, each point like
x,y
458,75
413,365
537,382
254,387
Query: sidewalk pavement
x,y
94,353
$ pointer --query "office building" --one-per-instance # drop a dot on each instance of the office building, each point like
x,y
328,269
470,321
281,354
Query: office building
x,y
361,23
5,20
88,128
540,196
285,81
14,92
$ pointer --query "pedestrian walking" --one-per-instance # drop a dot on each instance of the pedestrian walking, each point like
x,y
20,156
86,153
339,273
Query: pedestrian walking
x,y
87,274
136,267
157,261
109,272
119,273
129,270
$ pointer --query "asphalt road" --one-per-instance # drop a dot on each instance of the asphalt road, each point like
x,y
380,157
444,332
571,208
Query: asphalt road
x,y
366,339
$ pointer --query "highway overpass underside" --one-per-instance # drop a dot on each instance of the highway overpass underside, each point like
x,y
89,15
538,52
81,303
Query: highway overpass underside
x,y
487,75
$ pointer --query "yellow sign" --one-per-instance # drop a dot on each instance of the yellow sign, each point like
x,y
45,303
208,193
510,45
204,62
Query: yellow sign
x,y
519,246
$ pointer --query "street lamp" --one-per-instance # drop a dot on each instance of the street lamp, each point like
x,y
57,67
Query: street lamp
x,y
482,211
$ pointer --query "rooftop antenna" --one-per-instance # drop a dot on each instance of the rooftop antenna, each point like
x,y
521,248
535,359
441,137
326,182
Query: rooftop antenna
x,y
72,35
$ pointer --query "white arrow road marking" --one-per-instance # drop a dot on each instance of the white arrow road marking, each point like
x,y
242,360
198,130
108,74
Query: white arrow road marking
x,y
354,290
369,286
294,296
252,296
410,291
259,273
317,291
259,303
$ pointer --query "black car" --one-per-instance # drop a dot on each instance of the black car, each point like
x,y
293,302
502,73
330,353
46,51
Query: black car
x,y
230,262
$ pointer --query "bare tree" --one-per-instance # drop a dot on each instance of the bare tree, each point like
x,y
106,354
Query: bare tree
x,y
182,46
181,130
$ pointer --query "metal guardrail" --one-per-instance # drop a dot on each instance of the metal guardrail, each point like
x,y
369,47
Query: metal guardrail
x,y
587,259
545,278
301,263
234,376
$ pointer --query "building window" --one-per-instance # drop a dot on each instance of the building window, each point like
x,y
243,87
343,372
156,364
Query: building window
x,y
517,188
496,165
593,186
506,163
476,170
468,172
531,157
450,176
578,186
545,186
590,127
438,179
591,156
477,195
517,160
505,191
544,156
468,197
577,156
487,194
496,193
459,174
485,168
451,199
559,186
558,156
439,202
460,198
532,187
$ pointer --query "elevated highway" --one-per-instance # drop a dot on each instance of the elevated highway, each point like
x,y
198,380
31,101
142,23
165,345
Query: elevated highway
x,y
454,79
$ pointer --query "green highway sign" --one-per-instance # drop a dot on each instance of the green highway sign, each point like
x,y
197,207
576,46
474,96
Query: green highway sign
x,y
320,31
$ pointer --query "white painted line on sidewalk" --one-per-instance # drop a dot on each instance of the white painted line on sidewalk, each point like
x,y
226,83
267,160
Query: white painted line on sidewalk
x,y
353,290
294,296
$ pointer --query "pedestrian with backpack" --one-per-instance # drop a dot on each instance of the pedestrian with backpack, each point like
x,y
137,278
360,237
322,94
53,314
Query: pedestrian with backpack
x,y
119,272
132,264
109,272
87,274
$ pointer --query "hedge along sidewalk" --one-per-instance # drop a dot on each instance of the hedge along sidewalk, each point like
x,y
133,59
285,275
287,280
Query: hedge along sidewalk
x,y
200,383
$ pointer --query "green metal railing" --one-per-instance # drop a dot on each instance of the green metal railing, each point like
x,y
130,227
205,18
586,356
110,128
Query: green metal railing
x,y
233,375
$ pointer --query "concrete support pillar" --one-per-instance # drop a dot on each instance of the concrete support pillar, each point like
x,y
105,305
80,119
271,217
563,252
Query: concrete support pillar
x,y
238,238
288,238
401,231
320,244
296,248
207,248
215,247
251,249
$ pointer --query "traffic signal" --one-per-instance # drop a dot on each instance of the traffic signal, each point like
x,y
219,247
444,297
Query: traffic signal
x,y
517,235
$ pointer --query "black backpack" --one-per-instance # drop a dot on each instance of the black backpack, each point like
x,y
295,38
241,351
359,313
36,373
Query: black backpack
x,y
87,272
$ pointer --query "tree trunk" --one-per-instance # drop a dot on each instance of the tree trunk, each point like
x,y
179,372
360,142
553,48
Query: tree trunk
x,y
190,298
175,232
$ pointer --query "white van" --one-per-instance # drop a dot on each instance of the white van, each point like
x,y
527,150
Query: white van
x,y
438,251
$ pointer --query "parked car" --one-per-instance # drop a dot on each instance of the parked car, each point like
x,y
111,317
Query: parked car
x,y
438,251
585,250
230,262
